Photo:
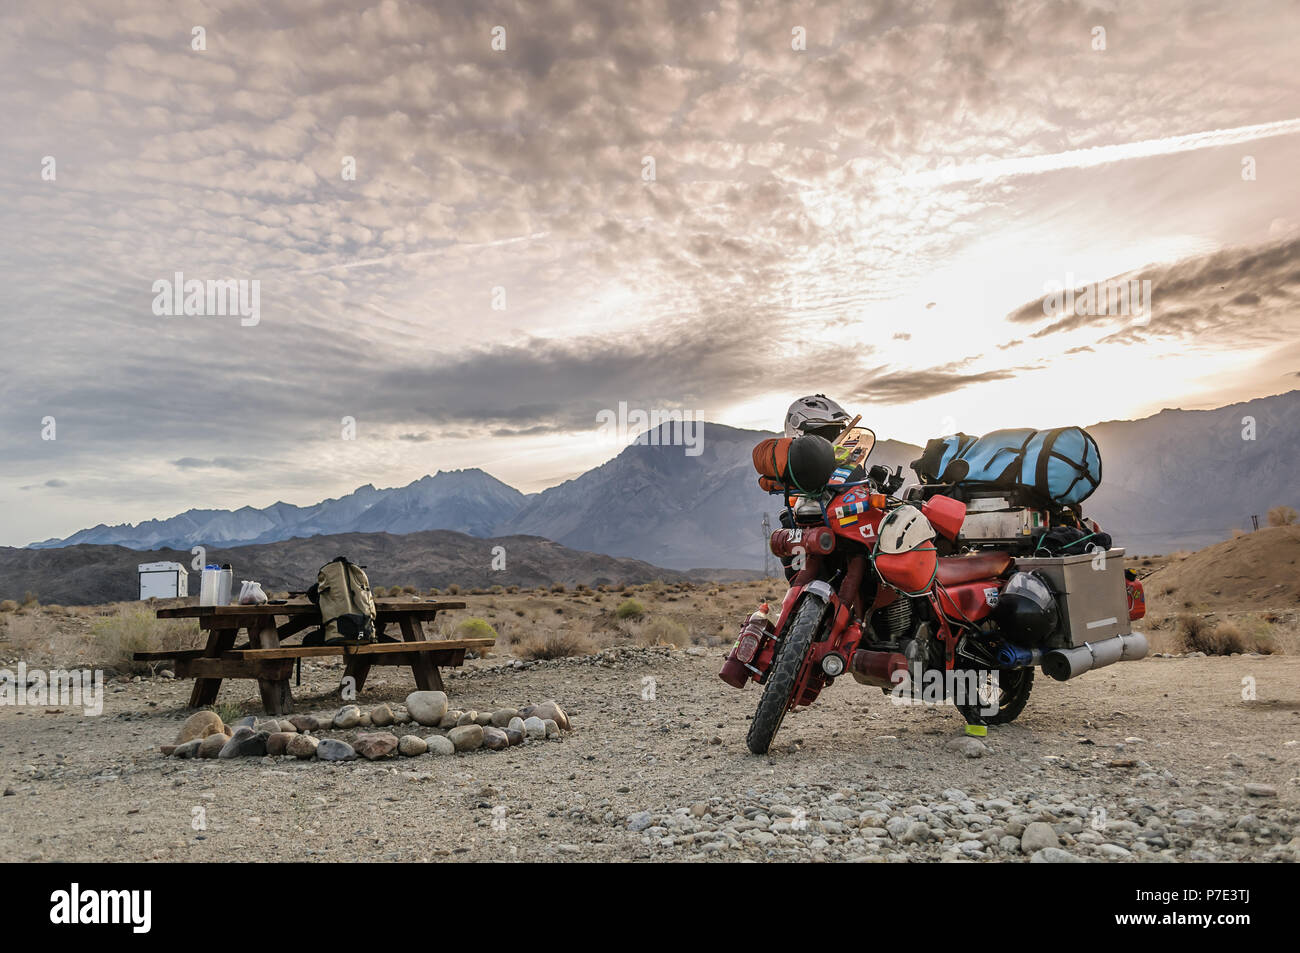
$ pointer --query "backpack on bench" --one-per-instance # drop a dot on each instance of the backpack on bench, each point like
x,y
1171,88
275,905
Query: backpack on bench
x,y
347,607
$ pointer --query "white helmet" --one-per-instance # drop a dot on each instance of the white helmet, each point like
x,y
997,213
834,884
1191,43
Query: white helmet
x,y
817,414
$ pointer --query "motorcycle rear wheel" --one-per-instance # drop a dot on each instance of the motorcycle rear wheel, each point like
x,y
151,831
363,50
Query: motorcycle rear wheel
x,y
1014,686
781,678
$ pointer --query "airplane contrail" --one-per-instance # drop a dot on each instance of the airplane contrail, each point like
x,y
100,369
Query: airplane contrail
x,y
1100,155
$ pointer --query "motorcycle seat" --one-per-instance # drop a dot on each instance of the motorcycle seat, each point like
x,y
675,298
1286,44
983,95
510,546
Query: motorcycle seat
x,y
954,570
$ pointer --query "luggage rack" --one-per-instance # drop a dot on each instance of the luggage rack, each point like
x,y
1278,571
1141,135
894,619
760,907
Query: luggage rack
x,y
995,518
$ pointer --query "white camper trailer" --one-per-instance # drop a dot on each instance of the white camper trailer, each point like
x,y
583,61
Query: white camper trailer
x,y
163,580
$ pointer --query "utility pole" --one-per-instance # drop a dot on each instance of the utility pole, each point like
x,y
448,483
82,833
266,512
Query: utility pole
x,y
1254,519
767,550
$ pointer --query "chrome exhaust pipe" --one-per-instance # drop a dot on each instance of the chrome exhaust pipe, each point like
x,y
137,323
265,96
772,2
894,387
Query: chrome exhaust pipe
x,y
1064,664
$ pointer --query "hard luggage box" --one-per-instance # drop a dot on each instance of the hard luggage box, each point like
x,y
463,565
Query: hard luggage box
x,y
1093,601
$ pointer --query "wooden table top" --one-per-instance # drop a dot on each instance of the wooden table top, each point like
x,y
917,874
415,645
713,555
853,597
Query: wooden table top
x,y
383,607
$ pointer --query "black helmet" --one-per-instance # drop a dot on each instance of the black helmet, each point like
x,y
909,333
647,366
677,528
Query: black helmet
x,y
811,462
1027,612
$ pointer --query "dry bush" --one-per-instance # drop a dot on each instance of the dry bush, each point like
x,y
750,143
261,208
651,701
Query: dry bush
x,y
1200,636
557,643
23,634
453,589
8,606
136,629
664,632
1281,516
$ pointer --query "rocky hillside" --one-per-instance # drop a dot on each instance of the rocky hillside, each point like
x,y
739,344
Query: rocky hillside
x,y
88,574
659,504
1255,571
1184,479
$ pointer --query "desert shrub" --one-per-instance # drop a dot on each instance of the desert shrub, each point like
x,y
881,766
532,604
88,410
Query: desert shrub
x,y
434,591
453,589
136,629
31,600
1199,636
8,606
1281,516
475,628
664,632
1258,635
557,587
560,643
409,590
630,609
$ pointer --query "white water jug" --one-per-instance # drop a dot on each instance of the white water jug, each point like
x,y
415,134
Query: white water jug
x,y
210,586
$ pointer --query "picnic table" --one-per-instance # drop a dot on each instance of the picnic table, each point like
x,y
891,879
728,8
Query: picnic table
x,y
266,658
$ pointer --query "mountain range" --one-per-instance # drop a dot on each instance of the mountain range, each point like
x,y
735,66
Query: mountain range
x,y
1178,479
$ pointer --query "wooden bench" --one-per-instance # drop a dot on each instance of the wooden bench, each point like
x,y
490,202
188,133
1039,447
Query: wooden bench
x,y
270,662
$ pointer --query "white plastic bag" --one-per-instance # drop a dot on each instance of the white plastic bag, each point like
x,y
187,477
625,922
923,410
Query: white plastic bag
x,y
251,594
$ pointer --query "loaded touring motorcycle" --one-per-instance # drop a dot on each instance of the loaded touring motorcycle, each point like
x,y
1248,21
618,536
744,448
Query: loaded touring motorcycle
x,y
954,592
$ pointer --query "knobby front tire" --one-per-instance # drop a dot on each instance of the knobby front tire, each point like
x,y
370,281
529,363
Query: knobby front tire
x,y
785,669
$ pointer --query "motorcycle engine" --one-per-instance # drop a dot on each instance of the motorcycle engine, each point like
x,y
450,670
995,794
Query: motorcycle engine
x,y
896,619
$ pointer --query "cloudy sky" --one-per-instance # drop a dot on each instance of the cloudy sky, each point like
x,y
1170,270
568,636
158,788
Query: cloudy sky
x,y
667,204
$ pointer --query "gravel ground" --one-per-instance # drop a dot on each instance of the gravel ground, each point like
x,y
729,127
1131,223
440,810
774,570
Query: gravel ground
x,y
1147,761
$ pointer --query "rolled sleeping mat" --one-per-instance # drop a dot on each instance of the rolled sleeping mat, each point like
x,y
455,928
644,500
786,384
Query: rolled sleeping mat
x,y
1064,664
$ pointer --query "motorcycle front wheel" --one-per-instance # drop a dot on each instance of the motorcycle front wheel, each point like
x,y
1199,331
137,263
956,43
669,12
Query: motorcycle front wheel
x,y
780,686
